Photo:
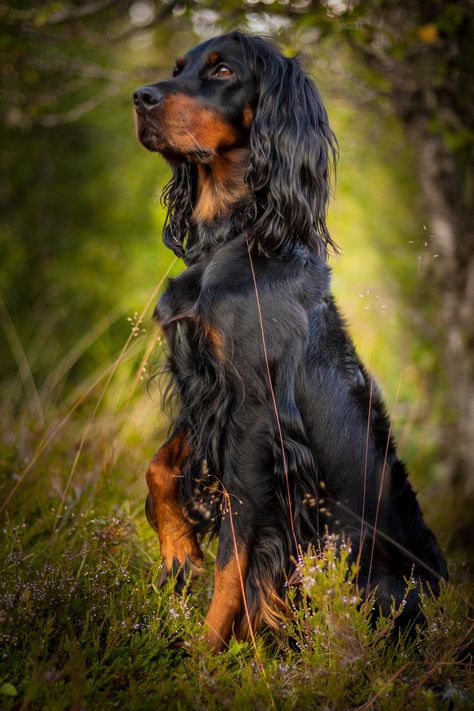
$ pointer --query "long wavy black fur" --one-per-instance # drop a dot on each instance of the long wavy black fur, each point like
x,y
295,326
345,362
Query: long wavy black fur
x,y
177,197
291,150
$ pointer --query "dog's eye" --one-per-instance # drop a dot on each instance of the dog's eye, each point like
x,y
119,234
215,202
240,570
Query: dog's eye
x,y
176,71
222,71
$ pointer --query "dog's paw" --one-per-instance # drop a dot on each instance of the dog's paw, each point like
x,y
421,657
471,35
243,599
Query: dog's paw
x,y
180,572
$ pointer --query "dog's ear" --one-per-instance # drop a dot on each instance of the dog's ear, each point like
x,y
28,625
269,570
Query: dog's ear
x,y
177,197
292,150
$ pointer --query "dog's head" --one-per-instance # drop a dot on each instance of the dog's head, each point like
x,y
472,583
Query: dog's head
x,y
205,109
238,92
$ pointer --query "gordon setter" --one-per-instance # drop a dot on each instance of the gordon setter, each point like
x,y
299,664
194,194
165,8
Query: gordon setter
x,y
280,434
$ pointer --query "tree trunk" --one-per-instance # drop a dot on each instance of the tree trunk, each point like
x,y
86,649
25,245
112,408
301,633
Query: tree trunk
x,y
426,53
447,188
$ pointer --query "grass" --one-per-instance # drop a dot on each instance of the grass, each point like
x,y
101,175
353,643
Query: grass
x,y
83,625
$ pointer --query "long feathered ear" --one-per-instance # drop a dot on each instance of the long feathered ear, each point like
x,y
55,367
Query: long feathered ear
x,y
177,197
292,149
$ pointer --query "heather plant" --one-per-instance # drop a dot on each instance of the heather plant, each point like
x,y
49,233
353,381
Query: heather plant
x,y
83,624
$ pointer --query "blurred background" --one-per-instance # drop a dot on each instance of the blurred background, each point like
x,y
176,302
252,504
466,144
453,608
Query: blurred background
x,y
81,259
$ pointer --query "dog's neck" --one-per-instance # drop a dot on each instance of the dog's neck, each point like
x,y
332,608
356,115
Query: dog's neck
x,y
221,186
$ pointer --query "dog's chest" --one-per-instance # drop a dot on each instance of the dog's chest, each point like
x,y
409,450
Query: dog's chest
x,y
195,345
197,364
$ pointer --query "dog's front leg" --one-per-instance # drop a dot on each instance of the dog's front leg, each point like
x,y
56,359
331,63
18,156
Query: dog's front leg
x,y
230,574
178,543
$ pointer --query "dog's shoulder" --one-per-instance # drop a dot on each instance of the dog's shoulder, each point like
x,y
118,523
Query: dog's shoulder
x,y
180,297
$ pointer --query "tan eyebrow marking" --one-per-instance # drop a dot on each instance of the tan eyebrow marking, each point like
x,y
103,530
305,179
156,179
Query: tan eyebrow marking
x,y
180,62
213,58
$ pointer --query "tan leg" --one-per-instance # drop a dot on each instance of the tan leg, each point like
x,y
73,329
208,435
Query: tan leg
x,y
178,543
227,601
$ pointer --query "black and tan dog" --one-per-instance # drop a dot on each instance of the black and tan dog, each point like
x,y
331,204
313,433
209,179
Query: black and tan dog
x,y
274,410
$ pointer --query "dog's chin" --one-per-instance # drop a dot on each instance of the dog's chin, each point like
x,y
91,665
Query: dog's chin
x,y
152,138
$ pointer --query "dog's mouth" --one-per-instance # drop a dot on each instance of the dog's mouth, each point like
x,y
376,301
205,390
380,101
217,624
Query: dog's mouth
x,y
153,136
150,132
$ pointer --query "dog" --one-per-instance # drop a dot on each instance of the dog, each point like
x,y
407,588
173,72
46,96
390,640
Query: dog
x,y
279,436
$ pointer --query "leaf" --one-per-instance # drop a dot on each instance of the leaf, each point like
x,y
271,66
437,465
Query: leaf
x,y
8,689
428,33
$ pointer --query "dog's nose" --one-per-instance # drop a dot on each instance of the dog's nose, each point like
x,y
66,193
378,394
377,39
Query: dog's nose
x,y
147,98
